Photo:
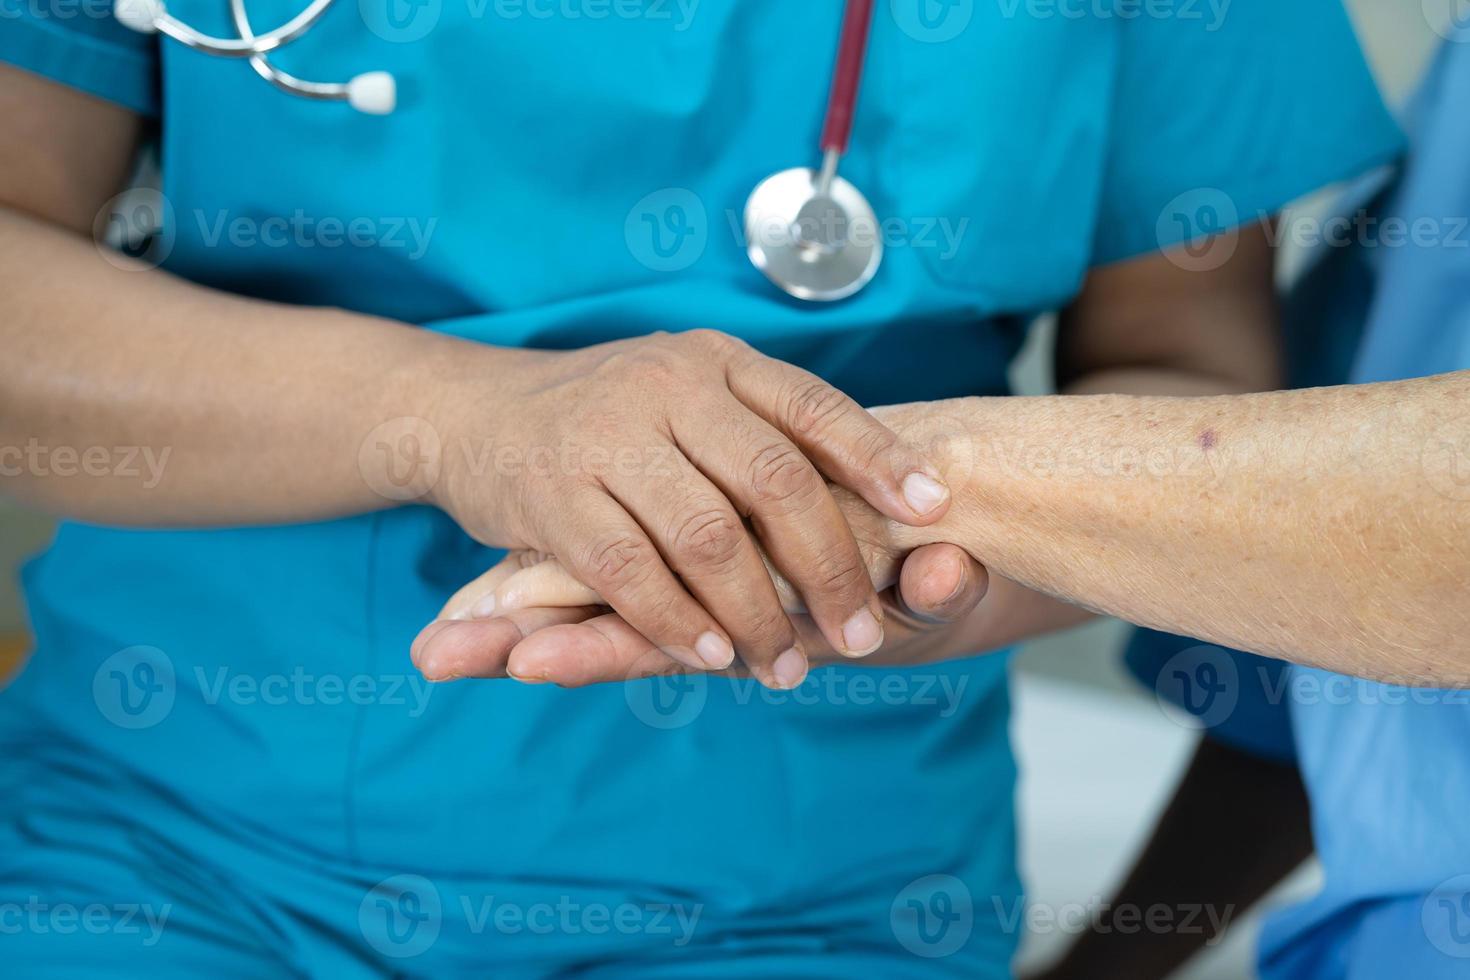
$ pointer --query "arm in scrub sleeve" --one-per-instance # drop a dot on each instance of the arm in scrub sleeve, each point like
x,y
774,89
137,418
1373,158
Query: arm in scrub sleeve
x,y
274,414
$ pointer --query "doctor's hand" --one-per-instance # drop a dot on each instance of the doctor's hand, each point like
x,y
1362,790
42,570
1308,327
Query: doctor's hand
x,y
639,464
553,629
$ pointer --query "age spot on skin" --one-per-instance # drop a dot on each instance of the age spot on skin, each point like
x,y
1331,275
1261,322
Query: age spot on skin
x,y
1207,440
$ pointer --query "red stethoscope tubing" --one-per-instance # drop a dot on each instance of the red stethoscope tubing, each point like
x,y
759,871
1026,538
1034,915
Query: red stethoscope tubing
x,y
857,20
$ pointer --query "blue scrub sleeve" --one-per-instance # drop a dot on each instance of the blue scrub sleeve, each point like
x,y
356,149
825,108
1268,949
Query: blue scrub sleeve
x,y
1238,699
1224,116
80,44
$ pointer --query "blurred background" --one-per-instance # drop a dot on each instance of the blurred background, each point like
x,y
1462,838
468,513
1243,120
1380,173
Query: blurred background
x,y
1086,804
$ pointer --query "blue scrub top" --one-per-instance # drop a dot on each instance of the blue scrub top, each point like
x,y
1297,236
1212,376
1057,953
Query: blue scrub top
x,y
1388,768
574,180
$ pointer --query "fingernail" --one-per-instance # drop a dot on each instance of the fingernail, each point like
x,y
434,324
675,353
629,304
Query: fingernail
x,y
525,678
434,673
485,608
923,492
862,634
790,669
714,650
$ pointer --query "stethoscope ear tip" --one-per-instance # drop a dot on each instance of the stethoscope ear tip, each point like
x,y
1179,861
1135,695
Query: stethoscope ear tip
x,y
139,15
373,92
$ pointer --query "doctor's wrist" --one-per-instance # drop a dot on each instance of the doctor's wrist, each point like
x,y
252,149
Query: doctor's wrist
x,y
465,395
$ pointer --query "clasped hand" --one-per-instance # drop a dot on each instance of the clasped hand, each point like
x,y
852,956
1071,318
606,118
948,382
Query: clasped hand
x,y
700,460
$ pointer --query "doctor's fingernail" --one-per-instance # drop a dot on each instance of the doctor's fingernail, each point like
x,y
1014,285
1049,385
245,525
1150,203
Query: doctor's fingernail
x,y
862,634
924,493
485,608
790,669
714,650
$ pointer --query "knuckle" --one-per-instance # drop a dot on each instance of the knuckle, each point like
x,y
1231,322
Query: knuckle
x,y
708,539
770,629
837,574
812,406
780,474
713,341
873,446
618,562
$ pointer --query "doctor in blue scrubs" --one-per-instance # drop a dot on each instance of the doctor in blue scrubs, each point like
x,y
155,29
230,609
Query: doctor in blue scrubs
x,y
352,347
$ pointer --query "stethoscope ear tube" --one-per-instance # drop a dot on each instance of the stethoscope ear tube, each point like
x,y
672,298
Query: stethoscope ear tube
x,y
373,92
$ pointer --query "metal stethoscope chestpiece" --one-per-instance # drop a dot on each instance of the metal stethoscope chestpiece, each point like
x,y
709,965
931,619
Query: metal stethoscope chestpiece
x,y
373,92
811,232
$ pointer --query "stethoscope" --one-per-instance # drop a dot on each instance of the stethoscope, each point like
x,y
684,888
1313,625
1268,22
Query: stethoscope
x,y
811,232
